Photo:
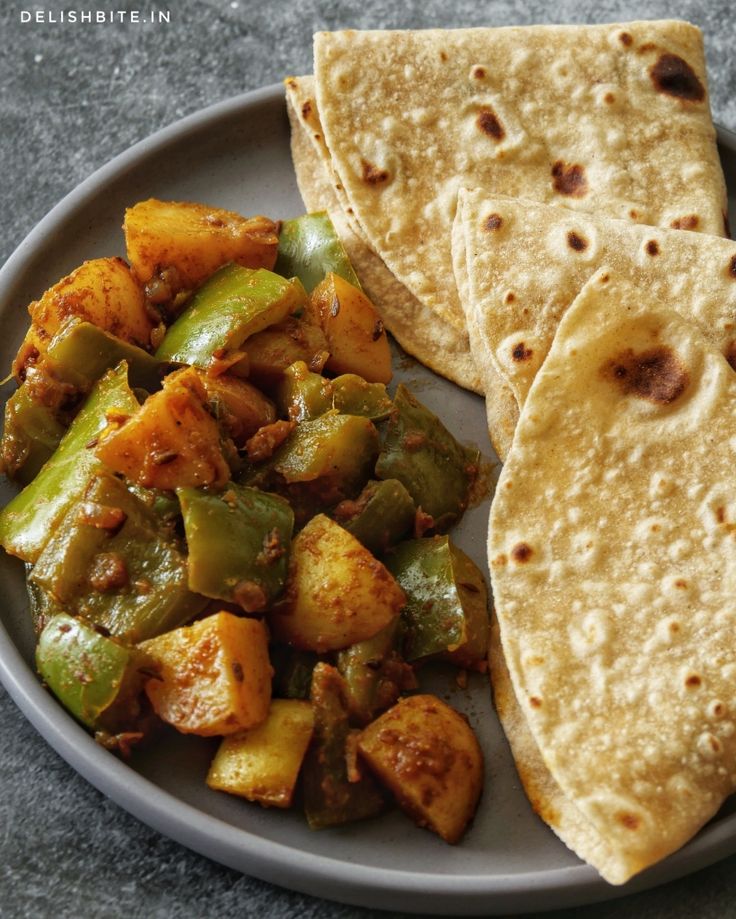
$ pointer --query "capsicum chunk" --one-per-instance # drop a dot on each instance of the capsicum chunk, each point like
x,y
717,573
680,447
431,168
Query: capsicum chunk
x,y
215,675
263,764
111,561
310,248
330,798
380,516
303,395
232,305
238,544
446,610
423,455
96,678
28,521
31,434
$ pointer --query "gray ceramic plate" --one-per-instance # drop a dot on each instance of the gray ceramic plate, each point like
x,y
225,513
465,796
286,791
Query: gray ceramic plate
x,y
236,155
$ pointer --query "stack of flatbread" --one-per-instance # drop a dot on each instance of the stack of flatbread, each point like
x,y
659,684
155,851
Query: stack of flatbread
x,y
539,213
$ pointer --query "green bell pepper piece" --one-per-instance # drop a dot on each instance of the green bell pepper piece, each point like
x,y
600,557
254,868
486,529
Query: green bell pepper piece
x,y
380,516
31,434
329,798
310,248
420,452
80,353
94,677
446,612
28,521
112,561
235,303
293,670
238,544
375,674
42,606
303,395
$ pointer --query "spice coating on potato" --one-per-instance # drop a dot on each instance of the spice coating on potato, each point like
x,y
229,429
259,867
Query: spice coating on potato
x,y
215,675
171,442
195,240
429,757
337,593
102,291
263,764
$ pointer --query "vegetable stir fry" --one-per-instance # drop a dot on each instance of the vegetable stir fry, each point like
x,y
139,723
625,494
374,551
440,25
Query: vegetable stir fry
x,y
229,525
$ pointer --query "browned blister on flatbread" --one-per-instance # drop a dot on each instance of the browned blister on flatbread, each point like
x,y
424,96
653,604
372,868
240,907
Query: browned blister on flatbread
x,y
612,550
606,119
525,263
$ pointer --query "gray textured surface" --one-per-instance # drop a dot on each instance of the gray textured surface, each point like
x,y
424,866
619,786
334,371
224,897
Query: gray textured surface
x,y
74,96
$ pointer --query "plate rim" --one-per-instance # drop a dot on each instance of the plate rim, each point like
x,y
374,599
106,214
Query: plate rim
x,y
238,848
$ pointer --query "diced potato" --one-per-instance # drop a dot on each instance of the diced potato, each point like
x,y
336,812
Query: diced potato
x,y
429,757
337,593
263,764
195,240
215,675
171,442
356,338
270,352
239,406
103,292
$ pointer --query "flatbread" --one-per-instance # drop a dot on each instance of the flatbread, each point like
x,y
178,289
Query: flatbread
x,y
418,330
612,550
526,262
611,119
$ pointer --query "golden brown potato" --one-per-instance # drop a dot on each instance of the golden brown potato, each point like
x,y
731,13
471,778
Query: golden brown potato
x,y
429,757
215,675
263,764
240,407
102,291
356,338
270,352
337,593
172,441
194,240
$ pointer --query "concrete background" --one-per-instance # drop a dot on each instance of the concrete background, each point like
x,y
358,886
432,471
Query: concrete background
x,y
74,96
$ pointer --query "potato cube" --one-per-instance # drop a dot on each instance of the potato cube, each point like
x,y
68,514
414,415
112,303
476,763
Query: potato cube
x,y
356,338
102,291
215,675
263,764
172,441
195,240
429,757
337,593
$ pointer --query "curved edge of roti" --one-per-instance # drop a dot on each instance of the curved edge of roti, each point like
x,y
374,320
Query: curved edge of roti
x,y
502,410
545,796
613,565
526,263
411,116
419,331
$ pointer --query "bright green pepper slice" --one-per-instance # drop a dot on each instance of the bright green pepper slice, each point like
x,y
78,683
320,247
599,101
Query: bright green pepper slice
x,y
238,544
31,434
235,303
303,395
113,562
90,674
27,522
329,798
446,610
421,453
310,248
380,516
81,352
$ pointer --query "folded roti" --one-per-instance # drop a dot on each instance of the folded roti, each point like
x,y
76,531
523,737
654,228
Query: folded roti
x,y
526,262
611,119
612,549
419,331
